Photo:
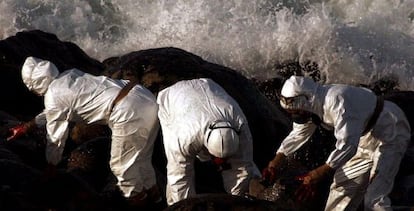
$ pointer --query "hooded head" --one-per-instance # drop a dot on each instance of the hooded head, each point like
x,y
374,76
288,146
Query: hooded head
x,y
222,139
37,74
298,93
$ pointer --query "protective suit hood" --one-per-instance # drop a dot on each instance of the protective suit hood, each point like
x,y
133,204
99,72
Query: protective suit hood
x,y
298,93
37,74
222,140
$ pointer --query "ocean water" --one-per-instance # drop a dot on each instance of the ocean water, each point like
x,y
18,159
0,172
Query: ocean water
x,y
351,41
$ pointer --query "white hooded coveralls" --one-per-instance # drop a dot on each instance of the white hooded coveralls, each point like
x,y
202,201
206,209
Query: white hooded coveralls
x,y
74,96
186,111
364,163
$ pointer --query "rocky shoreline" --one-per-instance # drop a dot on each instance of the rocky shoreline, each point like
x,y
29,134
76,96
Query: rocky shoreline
x,y
83,180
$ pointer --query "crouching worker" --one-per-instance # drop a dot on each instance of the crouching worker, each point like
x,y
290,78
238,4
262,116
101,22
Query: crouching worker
x,y
130,111
199,119
371,138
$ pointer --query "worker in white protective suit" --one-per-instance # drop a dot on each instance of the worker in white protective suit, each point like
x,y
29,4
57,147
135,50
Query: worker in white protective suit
x,y
372,136
74,96
199,119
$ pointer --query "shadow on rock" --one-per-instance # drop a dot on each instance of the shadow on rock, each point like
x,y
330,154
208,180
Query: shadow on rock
x,y
222,202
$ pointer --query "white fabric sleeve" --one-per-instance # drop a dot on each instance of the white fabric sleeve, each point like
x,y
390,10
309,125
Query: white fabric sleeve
x,y
348,128
299,135
339,157
57,127
347,140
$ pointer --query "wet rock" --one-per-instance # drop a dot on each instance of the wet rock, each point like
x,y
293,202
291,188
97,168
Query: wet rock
x,y
81,132
306,68
16,174
270,88
20,102
16,179
61,190
90,161
28,149
158,68
8,154
283,192
161,67
222,202
6,121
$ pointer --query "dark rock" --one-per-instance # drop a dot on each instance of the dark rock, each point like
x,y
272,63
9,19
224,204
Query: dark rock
x,y
90,161
16,179
162,67
9,155
283,192
17,175
28,149
270,88
13,52
159,67
6,121
65,191
307,68
155,69
385,85
222,202
81,132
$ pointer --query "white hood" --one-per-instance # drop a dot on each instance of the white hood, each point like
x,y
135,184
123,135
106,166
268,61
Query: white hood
x,y
37,74
299,94
222,140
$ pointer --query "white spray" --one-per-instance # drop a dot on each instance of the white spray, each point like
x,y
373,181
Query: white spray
x,y
351,41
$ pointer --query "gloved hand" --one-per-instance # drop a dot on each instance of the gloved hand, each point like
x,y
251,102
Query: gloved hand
x,y
307,190
17,131
21,129
270,172
269,175
316,175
